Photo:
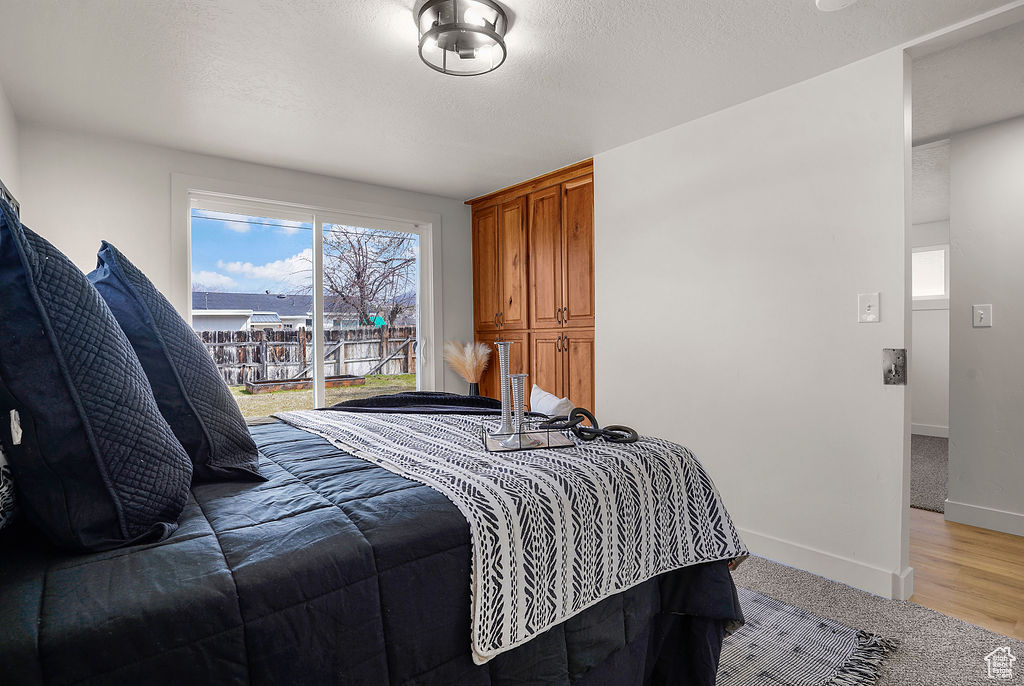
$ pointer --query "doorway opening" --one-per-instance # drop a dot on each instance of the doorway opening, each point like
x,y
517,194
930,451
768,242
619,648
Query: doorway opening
x,y
967,444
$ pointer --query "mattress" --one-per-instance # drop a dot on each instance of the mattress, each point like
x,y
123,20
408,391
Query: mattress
x,y
333,571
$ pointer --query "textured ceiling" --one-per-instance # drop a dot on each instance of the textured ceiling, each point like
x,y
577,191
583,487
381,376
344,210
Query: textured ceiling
x,y
931,183
336,87
978,82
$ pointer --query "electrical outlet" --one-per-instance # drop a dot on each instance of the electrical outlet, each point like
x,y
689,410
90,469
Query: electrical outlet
x,y
982,316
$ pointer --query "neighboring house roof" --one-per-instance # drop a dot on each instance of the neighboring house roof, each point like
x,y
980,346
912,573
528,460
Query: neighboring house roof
x,y
264,318
284,305
275,306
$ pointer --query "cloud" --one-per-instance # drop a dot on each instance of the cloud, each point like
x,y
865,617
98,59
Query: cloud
x,y
229,222
241,223
291,271
212,279
237,227
289,228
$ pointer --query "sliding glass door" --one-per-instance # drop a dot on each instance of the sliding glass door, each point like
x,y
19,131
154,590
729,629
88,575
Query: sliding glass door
x,y
252,284
303,309
371,277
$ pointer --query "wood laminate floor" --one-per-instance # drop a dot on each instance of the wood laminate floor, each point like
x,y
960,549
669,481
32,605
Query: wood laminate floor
x,y
974,574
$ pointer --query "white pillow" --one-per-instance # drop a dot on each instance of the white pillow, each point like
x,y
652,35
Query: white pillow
x,y
549,404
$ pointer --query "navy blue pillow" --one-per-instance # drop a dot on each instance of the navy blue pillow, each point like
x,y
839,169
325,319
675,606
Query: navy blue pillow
x,y
94,464
191,394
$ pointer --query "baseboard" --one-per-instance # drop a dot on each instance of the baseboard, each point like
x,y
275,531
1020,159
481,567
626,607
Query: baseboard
x,y
930,430
903,584
985,517
889,584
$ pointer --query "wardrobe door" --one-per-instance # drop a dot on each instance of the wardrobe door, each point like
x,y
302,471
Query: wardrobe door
x,y
579,367
486,269
546,362
578,229
512,258
546,271
489,380
518,360
518,354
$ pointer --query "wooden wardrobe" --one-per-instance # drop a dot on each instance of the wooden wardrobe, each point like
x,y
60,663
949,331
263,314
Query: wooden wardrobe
x,y
533,281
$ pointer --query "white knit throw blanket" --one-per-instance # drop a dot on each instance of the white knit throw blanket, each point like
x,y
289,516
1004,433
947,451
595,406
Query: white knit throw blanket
x,y
554,531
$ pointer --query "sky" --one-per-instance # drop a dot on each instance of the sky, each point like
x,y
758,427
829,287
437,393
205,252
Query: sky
x,y
242,254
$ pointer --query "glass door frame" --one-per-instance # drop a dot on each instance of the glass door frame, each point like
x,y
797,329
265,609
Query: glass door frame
x,y
322,219
190,191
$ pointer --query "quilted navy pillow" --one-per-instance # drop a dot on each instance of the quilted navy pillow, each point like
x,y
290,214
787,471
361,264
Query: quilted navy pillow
x,y
95,463
191,394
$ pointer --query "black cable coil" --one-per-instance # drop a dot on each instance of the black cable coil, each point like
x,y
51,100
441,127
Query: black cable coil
x,y
613,433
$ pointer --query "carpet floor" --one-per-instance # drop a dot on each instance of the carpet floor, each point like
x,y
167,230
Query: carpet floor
x,y
935,650
929,467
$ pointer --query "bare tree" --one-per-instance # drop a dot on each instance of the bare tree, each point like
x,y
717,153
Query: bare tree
x,y
371,270
200,287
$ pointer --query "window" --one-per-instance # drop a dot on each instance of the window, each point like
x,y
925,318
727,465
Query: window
x,y
253,274
930,277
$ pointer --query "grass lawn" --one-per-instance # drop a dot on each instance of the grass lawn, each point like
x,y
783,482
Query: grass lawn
x,y
264,404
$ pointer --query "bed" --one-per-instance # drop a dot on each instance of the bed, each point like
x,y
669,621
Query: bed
x,y
333,571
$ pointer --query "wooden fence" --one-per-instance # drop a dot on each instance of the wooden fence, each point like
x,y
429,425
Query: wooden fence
x,y
264,355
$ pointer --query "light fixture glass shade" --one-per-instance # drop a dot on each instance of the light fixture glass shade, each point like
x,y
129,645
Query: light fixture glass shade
x,y
462,37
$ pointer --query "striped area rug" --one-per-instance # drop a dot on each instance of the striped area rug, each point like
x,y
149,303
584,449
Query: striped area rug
x,y
782,645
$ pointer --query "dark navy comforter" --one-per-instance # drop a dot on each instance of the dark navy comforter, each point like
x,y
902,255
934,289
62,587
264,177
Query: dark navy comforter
x,y
334,571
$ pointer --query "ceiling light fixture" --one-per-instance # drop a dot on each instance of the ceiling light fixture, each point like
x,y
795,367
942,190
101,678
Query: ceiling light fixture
x,y
833,5
462,37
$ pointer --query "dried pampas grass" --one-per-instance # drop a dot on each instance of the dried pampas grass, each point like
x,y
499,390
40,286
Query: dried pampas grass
x,y
468,361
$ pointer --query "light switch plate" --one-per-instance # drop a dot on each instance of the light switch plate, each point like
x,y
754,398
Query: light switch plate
x,y
868,308
982,316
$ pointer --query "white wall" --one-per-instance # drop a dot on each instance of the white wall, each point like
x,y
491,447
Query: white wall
x,y
929,354
9,167
986,448
77,189
930,233
929,373
219,322
741,240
